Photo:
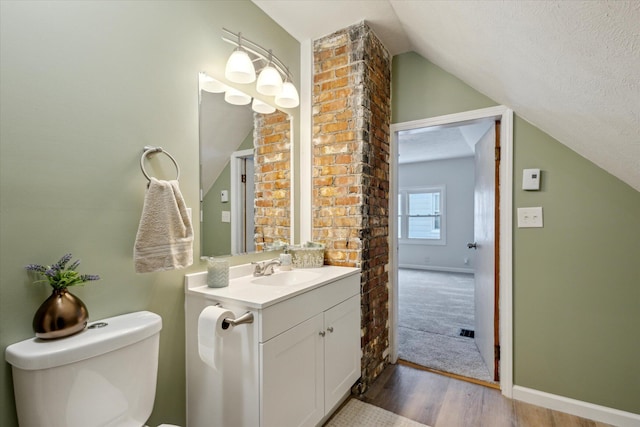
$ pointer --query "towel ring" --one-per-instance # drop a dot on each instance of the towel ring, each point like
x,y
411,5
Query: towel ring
x,y
148,150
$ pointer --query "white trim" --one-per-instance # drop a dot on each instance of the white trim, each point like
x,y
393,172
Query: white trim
x,y
236,197
506,253
292,173
505,115
306,136
575,407
435,268
393,245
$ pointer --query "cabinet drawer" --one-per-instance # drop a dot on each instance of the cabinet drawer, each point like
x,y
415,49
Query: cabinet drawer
x,y
285,315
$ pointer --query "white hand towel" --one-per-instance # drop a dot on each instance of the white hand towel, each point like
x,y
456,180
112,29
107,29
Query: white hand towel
x,y
165,236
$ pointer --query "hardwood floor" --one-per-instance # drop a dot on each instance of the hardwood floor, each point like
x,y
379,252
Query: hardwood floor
x,y
441,401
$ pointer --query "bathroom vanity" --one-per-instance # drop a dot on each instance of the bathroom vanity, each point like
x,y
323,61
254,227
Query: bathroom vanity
x,y
293,365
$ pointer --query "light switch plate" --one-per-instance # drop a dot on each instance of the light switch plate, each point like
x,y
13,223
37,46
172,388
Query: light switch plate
x,y
224,196
530,217
226,216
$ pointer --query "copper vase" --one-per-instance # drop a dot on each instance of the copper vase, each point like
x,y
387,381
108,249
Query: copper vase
x,y
61,315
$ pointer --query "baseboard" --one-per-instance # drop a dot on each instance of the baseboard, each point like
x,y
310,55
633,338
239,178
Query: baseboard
x,y
579,408
435,268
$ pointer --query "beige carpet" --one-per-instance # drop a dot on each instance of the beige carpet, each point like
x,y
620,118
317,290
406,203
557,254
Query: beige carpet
x,y
434,306
359,414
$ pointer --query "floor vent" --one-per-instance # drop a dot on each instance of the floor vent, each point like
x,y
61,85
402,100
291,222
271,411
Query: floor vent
x,y
467,333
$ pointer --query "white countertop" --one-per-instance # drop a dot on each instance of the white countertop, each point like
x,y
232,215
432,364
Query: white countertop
x,y
244,290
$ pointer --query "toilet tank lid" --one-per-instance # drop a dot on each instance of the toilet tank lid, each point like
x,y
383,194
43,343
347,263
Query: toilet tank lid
x,y
120,331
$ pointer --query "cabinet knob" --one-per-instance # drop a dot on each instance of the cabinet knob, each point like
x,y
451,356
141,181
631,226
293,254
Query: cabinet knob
x,y
330,329
321,333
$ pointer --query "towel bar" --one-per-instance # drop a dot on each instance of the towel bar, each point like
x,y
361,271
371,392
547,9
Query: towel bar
x,y
148,150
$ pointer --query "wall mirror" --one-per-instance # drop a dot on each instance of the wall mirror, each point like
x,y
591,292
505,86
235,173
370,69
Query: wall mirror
x,y
245,176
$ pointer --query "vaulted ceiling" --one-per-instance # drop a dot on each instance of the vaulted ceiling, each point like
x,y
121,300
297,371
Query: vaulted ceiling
x,y
571,68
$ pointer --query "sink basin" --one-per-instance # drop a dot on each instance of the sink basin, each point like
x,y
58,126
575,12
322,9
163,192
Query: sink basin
x,y
287,278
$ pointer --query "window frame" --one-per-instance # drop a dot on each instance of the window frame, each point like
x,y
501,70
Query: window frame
x,y
403,216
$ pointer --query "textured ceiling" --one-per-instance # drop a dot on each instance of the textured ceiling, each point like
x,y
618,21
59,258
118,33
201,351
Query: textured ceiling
x,y
571,68
440,142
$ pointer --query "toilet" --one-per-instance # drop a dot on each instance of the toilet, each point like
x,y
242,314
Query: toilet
x,y
102,376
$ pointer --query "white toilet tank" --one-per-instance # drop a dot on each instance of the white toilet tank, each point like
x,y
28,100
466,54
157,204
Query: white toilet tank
x,y
102,376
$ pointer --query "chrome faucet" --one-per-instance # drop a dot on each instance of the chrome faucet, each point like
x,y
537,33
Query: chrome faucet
x,y
265,268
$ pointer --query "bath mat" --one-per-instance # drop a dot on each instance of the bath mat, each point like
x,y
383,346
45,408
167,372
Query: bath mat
x,y
359,414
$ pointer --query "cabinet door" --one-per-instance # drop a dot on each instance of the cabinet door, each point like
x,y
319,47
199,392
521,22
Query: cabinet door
x,y
342,349
292,376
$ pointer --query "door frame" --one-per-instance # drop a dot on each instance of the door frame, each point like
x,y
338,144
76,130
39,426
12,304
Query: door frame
x,y
237,199
505,115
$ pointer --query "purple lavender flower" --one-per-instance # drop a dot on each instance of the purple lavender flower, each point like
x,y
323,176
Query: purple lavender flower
x,y
63,261
37,268
59,276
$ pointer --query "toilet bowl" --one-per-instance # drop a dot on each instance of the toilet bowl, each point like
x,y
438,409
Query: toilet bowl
x,y
104,375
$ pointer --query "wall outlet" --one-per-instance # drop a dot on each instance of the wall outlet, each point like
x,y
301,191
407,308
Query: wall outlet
x,y
226,216
530,217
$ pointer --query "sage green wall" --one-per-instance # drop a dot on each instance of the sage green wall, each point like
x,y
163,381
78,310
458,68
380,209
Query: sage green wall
x,y
216,239
576,281
84,86
216,235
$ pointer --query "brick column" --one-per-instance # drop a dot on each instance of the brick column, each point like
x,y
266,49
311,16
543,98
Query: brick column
x,y
271,136
351,117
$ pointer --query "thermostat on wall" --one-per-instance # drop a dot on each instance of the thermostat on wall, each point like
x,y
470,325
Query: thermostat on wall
x,y
531,179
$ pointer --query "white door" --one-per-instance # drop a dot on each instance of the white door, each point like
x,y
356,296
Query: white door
x,y
484,235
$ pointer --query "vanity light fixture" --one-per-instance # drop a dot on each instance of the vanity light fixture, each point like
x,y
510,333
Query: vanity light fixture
x,y
262,107
209,84
235,97
271,71
288,97
240,67
269,80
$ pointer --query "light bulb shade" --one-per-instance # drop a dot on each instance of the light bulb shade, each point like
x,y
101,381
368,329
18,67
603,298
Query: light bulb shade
x,y
213,86
288,98
261,107
235,97
240,68
269,81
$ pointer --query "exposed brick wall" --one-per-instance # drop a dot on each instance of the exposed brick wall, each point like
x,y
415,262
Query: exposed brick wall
x,y
271,136
351,118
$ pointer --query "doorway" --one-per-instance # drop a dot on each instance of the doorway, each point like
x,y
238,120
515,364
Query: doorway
x,y
242,202
504,205
438,299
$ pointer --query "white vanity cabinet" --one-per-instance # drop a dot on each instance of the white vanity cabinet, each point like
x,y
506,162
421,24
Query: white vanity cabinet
x,y
291,367
310,354
309,368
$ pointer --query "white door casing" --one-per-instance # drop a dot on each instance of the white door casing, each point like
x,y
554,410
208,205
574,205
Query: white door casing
x,y
505,115
238,200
